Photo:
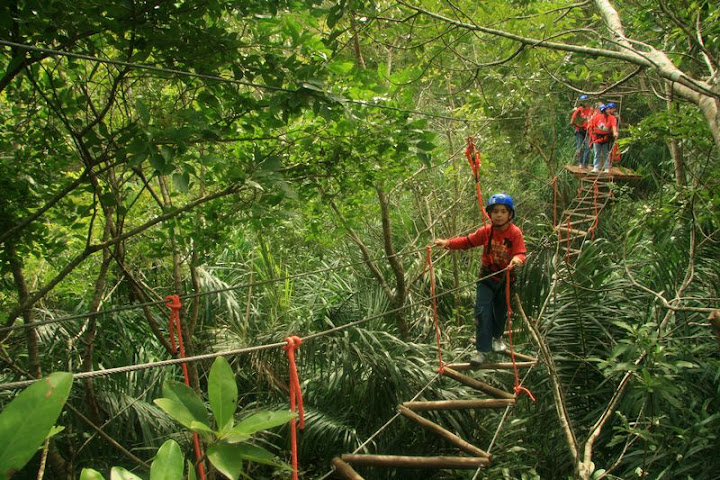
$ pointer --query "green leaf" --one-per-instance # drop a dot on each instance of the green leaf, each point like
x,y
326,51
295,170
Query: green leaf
x,y
27,420
191,471
226,459
90,474
177,411
263,421
119,473
181,181
169,462
256,454
222,392
181,393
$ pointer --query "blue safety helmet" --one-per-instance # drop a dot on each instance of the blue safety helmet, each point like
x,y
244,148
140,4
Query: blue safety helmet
x,y
610,105
602,107
583,97
501,199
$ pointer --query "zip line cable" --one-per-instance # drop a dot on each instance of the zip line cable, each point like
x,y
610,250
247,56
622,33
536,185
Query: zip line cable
x,y
207,356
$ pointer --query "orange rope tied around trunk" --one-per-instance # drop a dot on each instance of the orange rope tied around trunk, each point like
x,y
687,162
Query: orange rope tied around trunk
x,y
518,388
296,402
173,303
474,158
429,267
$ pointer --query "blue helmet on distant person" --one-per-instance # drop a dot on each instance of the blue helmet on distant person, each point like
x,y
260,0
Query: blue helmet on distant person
x,y
610,105
501,199
602,107
583,97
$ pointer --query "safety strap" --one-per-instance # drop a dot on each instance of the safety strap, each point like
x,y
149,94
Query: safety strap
x,y
518,388
429,267
173,303
296,402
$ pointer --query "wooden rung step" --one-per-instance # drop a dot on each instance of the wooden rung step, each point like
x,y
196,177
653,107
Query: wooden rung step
x,y
521,356
571,230
476,384
564,240
343,470
578,222
489,365
588,209
571,251
578,214
419,406
443,433
415,462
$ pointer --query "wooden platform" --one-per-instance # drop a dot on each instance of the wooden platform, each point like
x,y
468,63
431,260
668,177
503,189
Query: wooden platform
x,y
616,172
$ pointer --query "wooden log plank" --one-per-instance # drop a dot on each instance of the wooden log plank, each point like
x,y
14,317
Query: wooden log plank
x,y
521,356
343,470
571,230
476,384
415,462
420,406
442,432
492,365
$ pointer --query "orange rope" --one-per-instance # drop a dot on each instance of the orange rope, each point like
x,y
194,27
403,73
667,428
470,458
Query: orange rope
x,y
296,402
518,388
173,303
474,158
429,267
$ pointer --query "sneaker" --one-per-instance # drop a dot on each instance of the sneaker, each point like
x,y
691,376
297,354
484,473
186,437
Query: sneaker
x,y
498,345
477,358
607,170
594,170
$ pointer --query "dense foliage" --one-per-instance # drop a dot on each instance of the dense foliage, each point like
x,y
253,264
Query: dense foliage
x,y
281,166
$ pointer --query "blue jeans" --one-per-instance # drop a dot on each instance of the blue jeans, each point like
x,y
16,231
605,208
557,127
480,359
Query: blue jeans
x,y
582,151
490,313
602,155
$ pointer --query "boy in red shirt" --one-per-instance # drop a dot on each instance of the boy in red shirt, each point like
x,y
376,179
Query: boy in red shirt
x,y
503,245
581,115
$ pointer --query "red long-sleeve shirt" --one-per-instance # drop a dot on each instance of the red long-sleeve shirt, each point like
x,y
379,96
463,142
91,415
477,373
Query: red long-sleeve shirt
x,y
504,246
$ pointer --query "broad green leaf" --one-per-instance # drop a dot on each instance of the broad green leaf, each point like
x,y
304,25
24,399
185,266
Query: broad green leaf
x,y
90,474
222,392
185,395
263,421
27,420
256,454
181,181
119,473
191,471
226,459
169,462
177,411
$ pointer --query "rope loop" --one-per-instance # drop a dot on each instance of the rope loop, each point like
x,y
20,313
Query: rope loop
x,y
518,388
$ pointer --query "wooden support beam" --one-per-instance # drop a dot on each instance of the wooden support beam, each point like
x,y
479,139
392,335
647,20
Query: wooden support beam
x,y
576,214
477,384
415,462
443,433
343,470
521,356
490,365
459,404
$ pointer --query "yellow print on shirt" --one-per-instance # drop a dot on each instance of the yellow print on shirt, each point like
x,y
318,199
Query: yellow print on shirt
x,y
500,252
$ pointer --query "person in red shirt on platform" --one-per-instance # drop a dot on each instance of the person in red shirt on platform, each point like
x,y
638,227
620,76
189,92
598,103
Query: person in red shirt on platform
x,y
579,119
503,246
603,132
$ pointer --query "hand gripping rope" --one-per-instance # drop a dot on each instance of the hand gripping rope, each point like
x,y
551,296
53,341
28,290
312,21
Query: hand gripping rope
x,y
518,388
475,159
296,402
173,303
429,267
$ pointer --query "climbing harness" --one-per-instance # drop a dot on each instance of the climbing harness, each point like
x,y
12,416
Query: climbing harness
x,y
174,327
296,401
